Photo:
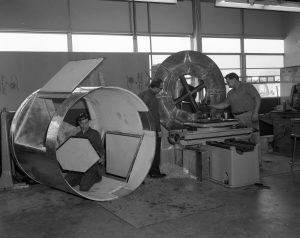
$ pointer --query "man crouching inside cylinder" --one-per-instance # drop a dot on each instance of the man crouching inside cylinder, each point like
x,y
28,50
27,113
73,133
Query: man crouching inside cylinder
x,y
93,175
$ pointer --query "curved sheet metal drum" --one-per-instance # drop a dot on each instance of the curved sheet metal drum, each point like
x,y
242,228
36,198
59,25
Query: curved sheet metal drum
x,y
44,122
175,70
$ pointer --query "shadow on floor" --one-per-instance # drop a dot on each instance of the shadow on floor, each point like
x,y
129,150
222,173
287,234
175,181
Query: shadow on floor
x,y
163,199
274,164
166,199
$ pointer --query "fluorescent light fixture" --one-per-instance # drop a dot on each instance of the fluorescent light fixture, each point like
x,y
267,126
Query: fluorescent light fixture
x,y
261,5
155,1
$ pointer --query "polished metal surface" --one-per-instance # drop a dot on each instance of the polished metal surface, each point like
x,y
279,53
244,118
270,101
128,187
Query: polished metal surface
x,y
212,123
39,128
203,135
176,68
45,120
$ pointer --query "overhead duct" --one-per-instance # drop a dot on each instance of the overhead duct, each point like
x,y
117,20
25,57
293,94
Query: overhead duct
x,y
274,5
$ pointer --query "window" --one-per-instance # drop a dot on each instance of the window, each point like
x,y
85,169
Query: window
x,y
163,44
263,46
225,52
263,68
161,47
264,58
227,63
221,45
102,43
34,42
268,89
264,61
157,59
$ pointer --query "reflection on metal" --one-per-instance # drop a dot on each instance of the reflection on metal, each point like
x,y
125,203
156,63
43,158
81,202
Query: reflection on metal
x,y
203,135
211,123
45,120
174,69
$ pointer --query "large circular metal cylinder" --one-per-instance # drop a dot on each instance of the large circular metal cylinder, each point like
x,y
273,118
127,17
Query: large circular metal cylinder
x,y
44,122
175,68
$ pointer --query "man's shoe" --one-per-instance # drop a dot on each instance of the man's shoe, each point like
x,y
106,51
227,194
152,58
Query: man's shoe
x,y
157,175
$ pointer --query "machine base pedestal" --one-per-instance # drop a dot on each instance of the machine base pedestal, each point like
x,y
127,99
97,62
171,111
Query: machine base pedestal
x,y
233,169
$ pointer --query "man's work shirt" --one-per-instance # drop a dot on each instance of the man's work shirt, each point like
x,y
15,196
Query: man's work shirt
x,y
243,98
95,139
149,98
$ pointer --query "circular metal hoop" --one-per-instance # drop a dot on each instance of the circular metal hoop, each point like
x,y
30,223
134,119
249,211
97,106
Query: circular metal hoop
x,y
176,67
43,123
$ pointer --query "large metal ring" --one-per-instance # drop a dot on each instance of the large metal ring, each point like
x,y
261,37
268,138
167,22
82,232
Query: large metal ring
x,y
175,69
44,122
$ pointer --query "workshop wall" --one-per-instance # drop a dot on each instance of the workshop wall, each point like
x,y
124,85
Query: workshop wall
x,y
34,15
100,16
22,73
219,20
258,23
116,17
229,22
292,40
95,16
169,18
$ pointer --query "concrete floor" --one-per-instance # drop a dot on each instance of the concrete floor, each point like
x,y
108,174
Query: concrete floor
x,y
199,209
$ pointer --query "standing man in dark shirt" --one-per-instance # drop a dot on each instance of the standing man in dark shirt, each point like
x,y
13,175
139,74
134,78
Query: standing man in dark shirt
x,y
93,175
244,101
149,98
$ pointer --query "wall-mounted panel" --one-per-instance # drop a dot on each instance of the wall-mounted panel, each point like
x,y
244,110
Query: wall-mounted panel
x,y
141,18
259,23
292,40
34,15
169,18
100,16
220,20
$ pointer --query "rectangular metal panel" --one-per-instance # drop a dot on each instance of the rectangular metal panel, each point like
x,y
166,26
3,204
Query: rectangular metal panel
x,y
70,76
121,151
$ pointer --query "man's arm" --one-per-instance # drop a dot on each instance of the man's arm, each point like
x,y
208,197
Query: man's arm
x,y
257,101
256,108
221,105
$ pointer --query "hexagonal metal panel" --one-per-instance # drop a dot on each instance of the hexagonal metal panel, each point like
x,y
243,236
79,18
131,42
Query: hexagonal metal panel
x,y
77,154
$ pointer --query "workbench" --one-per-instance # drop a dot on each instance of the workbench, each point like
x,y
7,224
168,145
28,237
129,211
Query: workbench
x,y
193,156
283,127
